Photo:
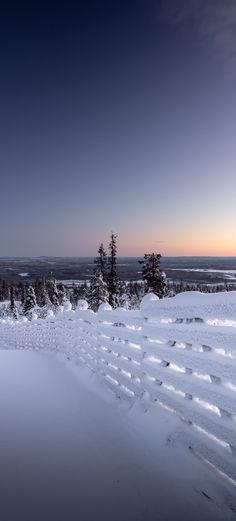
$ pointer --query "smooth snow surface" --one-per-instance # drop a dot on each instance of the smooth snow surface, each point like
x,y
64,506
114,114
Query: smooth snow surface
x,y
67,453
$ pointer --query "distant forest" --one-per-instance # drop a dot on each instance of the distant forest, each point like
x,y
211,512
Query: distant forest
x,y
46,296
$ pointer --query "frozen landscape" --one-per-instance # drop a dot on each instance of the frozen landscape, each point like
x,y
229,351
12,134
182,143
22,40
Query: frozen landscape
x,y
207,270
121,414
118,260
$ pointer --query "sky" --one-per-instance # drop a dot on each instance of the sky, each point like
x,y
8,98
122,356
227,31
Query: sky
x,y
118,115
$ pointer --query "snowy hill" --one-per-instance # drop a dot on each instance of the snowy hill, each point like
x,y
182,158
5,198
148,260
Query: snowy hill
x,y
171,370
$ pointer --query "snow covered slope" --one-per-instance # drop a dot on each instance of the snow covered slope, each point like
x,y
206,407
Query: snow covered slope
x,y
68,451
174,361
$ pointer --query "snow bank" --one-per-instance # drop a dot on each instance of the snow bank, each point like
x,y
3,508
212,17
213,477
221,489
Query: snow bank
x,y
70,452
177,353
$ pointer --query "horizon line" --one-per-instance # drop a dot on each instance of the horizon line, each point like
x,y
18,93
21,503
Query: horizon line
x,y
118,256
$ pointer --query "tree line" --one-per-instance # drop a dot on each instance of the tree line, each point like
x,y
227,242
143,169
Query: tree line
x,y
46,296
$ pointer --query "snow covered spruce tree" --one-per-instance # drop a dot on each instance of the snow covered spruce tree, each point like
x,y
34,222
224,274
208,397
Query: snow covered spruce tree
x,y
62,296
98,289
13,310
124,297
101,261
98,292
136,291
22,289
78,293
154,278
112,276
4,290
43,300
42,294
30,302
52,291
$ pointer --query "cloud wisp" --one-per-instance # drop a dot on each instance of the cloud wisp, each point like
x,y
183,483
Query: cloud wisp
x,y
214,22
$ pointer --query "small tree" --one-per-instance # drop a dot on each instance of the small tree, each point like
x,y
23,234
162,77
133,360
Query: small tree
x,y
98,292
112,276
4,290
22,294
153,276
30,301
13,309
52,291
43,300
42,294
62,296
101,261
124,297
136,291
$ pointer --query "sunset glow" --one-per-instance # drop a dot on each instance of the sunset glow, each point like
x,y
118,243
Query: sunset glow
x,y
128,126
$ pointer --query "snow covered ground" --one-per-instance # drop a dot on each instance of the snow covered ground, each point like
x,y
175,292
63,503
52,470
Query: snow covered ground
x,y
69,450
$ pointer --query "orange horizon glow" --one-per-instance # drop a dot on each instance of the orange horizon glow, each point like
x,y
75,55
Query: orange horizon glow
x,y
177,253
206,246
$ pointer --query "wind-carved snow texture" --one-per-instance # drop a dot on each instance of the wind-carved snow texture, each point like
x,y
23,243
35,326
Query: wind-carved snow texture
x,y
177,353
69,451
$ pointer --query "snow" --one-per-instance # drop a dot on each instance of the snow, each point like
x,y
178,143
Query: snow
x,y
70,451
166,431
72,282
230,274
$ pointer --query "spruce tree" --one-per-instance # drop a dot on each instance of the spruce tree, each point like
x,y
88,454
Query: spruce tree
x,y
13,309
136,291
112,276
5,290
124,296
52,291
79,292
30,301
22,293
1,290
42,296
62,297
83,291
154,278
74,297
101,261
98,292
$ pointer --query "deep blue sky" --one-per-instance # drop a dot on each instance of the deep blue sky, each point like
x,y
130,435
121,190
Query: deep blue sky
x,y
118,115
